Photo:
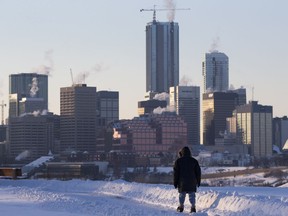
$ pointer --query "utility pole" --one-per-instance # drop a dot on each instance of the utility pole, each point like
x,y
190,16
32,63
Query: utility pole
x,y
2,112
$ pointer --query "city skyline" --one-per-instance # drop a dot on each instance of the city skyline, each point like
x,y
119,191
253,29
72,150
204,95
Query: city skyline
x,y
104,45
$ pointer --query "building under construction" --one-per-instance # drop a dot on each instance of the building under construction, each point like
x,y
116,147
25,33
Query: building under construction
x,y
162,56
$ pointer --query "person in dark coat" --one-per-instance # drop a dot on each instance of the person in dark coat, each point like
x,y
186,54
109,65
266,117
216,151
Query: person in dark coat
x,y
187,177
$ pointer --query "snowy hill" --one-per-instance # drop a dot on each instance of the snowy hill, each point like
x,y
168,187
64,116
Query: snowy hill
x,y
77,197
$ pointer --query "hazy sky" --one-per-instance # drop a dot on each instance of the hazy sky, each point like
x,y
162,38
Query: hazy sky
x,y
105,40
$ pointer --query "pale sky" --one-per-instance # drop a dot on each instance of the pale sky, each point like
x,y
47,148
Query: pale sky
x,y
105,39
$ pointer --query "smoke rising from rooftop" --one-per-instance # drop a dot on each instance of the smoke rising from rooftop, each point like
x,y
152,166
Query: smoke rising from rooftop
x,y
215,45
45,69
82,76
185,81
170,4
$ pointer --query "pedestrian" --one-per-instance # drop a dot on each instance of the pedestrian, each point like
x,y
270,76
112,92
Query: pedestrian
x,y
187,177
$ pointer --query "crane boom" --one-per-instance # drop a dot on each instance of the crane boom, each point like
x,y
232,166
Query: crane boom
x,y
161,9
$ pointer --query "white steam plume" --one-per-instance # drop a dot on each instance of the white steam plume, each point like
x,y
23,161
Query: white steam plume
x,y
169,4
81,77
164,96
215,45
185,81
45,69
160,110
23,155
34,87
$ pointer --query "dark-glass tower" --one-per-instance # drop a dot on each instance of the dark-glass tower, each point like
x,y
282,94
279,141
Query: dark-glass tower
x,y
162,56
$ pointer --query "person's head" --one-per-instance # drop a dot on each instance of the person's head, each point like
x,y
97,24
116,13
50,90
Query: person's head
x,y
185,151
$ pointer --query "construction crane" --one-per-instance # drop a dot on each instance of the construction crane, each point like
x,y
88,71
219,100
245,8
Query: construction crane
x,y
2,112
161,9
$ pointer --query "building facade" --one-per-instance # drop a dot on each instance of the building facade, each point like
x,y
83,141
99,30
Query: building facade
x,y
215,71
26,85
280,131
30,137
216,107
78,119
150,134
107,107
254,128
186,100
162,56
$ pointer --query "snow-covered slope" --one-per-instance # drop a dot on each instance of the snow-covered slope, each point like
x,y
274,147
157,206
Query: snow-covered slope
x,y
76,197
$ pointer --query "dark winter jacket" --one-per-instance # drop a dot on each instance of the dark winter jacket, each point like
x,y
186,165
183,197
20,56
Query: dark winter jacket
x,y
187,172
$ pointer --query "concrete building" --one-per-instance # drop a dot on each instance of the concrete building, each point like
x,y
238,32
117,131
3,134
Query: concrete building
x,y
216,107
254,128
78,119
186,101
215,71
27,85
150,135
280,131
30,137
162,56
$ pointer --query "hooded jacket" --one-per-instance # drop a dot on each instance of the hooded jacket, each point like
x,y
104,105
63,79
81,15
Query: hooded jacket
x,y
187,172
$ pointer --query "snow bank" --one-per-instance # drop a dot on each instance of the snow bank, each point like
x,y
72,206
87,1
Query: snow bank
x,y
124,198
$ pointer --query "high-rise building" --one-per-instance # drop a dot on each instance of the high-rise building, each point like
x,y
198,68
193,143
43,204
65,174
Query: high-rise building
x,y
30,137
216,107
162,56
280,131
107,107
186,101
26,85
215,71
254,128
78,119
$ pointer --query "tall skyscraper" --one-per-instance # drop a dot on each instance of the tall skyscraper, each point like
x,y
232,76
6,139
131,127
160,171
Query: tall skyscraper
x,y
215,71
26,85
78,119
280,131
162,56
254,128
107,107
186,101
216,108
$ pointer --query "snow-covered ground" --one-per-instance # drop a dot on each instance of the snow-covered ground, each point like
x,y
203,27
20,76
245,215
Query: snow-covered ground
x,y
79,197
